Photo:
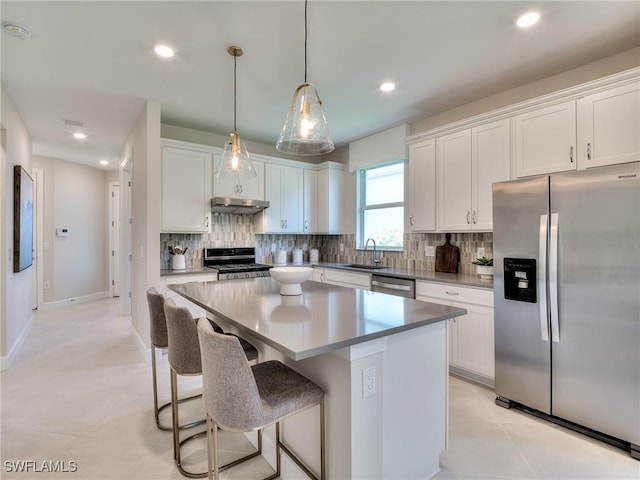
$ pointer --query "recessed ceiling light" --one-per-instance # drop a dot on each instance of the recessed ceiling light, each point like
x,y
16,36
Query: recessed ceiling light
x,y
528,19
387,86
17,31
104,162
79,135
163,51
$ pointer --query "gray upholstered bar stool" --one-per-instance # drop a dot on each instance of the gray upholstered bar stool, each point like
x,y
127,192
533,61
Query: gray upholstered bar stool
x,y
158,335
242,398
185,359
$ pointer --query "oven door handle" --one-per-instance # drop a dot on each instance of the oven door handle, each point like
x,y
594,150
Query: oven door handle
x,y
392,286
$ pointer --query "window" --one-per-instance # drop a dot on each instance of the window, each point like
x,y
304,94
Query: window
x,y
381,205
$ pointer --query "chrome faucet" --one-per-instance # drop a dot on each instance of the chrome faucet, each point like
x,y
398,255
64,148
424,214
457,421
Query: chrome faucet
x,y
374,258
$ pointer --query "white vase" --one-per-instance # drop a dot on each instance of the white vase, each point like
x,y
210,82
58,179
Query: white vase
x,y
485,271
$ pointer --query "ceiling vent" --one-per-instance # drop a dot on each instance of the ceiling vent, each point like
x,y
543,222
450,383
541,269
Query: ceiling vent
x,y
73,123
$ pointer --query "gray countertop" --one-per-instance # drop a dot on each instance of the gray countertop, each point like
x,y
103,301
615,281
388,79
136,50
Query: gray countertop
x,y
424,275
323,319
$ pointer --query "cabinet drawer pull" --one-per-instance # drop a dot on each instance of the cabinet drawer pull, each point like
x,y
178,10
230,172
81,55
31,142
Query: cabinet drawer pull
x,y
452,293
411,220
589,151
468,217
475,217
571,153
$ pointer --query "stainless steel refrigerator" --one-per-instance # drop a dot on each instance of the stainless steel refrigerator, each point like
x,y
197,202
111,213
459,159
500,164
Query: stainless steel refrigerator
x,y
567,299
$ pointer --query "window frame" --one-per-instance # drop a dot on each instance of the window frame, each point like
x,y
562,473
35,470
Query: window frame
x,y
362,207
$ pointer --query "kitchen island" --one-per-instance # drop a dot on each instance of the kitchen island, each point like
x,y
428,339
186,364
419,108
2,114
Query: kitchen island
x,y
381,359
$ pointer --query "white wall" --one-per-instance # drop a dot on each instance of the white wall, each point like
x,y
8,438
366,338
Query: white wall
x,y
143,145
75,197
576,76
16,288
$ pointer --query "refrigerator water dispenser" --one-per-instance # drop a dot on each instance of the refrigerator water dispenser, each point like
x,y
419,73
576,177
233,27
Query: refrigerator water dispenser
x,y
520,280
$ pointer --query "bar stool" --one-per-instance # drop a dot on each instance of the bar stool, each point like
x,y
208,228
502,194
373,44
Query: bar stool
x,y
158,335
185,359
242,398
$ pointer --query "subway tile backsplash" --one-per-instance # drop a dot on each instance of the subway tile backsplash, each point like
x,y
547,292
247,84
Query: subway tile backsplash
x,y
231,230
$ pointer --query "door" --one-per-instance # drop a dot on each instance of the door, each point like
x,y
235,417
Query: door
x,y
523,360
454,182
114,238
545,140
422,186
596,354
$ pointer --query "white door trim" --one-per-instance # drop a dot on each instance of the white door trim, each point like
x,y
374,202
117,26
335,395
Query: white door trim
x,y
38,277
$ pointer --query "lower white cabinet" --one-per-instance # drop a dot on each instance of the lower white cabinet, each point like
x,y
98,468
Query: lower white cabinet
x,y
471,340
195,310
317,275
347,279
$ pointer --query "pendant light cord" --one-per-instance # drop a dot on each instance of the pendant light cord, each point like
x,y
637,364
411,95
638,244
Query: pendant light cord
x,y
235,68
305,41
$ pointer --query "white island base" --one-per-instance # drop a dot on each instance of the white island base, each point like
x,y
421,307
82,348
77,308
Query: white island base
x,y
393,427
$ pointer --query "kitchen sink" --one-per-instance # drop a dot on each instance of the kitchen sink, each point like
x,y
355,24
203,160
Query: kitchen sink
x,y
364,266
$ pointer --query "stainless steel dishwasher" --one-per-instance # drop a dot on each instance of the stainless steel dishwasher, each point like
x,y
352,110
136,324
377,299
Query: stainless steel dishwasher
x,y
400,287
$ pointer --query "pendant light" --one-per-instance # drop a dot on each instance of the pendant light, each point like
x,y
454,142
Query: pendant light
x,y
235,162
305,130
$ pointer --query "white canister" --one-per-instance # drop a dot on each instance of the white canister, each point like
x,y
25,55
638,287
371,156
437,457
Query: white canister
x,y
313,255
178,262
281,257
297,256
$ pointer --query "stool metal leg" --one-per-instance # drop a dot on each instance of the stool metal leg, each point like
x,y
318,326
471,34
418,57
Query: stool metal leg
x,y
156,409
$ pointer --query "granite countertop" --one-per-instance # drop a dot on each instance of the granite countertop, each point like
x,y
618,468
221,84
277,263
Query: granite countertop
x,y
323,319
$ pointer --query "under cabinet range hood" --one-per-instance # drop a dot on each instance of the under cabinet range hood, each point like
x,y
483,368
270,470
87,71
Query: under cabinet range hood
x,y
237,205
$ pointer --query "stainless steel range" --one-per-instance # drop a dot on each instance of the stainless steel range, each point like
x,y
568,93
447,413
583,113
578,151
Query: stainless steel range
x,y
232,263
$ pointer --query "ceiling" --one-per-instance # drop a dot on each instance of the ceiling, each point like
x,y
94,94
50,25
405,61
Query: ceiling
x,y
93,62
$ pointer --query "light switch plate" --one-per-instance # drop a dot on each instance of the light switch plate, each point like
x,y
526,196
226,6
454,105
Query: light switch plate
x,y
480,252
429,251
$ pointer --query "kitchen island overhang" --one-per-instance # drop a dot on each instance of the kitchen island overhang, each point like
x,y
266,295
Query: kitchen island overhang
x,y
338,336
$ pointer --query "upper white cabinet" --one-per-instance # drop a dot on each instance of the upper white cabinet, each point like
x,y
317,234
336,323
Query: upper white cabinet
x,y
252,188
545,140
186,190
283,189
422,186
310,201
609,127
468,163
330,201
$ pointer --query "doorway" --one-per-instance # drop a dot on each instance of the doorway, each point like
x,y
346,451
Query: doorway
x,y
114,238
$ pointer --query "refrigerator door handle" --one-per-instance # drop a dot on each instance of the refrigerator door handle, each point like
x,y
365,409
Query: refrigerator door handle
x,y
542,275
553,277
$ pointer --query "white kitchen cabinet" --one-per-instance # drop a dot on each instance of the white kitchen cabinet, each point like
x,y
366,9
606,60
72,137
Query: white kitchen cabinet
x,y
179,300
471,336
468,163
317,275
310,201
186,190
347,279
422,186
545,140
609,127
330,201
283,189
252,188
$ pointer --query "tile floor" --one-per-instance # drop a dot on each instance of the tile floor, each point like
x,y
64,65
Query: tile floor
x,y
80,390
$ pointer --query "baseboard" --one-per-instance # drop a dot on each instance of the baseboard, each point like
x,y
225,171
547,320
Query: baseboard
x,y
71,301
474,377
146,351
6,361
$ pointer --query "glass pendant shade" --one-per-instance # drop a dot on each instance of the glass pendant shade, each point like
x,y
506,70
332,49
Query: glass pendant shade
x,y
305,130
235,162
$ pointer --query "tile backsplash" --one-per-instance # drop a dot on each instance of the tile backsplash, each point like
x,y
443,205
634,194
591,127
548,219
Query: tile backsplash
x,y
230,230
